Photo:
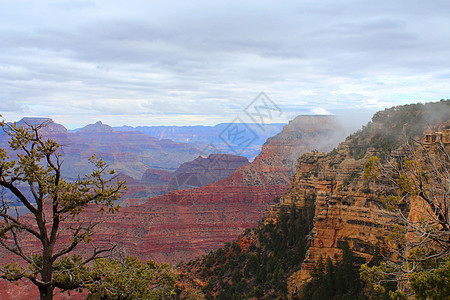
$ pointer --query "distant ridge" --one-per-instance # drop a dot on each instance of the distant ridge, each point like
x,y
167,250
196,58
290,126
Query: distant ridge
x,y
207,136
131,153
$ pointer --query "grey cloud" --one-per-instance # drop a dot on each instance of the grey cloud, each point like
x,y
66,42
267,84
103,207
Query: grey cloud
x,y
11,106
221,54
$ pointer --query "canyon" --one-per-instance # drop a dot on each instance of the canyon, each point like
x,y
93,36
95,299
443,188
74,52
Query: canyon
x,y
348,206
299,163
185,224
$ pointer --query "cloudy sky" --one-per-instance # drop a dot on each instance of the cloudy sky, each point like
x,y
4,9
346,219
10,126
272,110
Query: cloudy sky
x,y
203,62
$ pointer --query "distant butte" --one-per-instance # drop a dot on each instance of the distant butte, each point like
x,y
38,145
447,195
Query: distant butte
x,y
205,170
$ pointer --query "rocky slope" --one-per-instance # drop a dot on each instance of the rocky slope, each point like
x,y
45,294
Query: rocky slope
x,y
199,172
348,207
205,170
187,223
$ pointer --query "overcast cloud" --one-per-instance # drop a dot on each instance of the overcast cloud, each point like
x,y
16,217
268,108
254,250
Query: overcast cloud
x,y
202,62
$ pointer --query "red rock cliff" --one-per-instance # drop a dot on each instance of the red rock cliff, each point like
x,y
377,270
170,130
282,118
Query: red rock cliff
x,y
187,223
348,207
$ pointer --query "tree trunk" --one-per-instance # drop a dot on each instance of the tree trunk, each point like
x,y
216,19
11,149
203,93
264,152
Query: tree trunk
x,y
46,293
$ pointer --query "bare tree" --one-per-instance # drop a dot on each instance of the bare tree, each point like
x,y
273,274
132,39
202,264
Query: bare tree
x,y
32,178
416,183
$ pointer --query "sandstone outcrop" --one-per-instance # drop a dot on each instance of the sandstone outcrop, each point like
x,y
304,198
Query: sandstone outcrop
x,y
348,206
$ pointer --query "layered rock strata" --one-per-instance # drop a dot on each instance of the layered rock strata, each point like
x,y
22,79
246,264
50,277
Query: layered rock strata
x,y
187,223
205,170
348,206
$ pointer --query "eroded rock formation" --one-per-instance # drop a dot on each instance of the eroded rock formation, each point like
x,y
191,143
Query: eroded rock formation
x,y
205,170
184,224
348,206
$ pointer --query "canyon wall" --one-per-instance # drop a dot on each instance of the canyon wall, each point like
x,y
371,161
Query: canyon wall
x,y
348,206
205,170
184,224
